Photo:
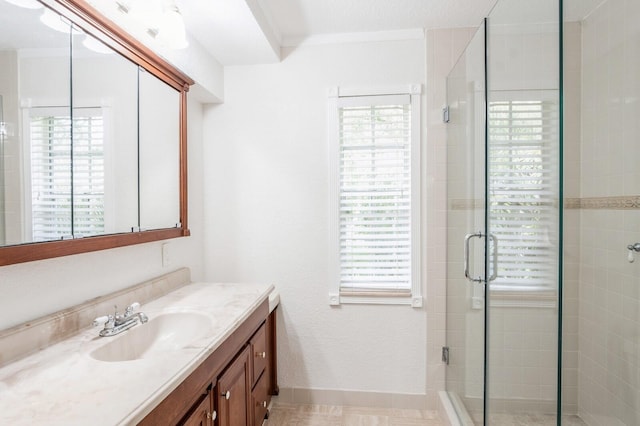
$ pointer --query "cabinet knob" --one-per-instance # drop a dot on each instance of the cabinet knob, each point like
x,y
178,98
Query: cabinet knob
x,y
213,415
264,404
261,354
226,394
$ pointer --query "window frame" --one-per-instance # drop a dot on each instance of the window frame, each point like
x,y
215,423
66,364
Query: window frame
x,y
337,295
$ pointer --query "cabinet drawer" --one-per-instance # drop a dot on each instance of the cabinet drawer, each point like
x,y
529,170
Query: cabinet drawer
x,y
260,400
258,353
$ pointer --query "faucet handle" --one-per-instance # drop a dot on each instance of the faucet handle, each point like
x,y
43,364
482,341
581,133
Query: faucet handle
x,y
101,320
132,307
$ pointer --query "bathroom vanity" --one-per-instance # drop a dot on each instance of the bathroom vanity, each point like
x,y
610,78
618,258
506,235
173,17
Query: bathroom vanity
x,y
231,387
206,356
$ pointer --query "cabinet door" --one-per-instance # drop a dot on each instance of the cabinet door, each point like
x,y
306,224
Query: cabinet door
x,y
201,415
259,353
234,392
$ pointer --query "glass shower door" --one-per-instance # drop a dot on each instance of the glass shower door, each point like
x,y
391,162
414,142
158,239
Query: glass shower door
x,y
523,213
465,233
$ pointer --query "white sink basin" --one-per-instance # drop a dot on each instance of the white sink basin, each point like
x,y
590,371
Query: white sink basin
x,y
167,332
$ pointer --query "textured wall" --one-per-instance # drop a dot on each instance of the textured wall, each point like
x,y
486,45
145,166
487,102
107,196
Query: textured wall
x,y
267,214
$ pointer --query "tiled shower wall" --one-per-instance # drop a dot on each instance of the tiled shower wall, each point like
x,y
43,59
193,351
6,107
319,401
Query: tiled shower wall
x,y
609,365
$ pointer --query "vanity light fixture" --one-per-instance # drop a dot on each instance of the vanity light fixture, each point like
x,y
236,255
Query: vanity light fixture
x,y
146,12
27,4
171,30
159,19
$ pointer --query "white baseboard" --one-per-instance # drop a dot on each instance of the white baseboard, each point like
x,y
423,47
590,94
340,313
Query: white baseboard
x,y
352,398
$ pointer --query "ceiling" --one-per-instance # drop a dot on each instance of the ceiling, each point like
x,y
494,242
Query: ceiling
x,y
244,32
241,32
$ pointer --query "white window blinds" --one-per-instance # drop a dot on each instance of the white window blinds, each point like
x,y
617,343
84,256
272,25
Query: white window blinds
x,y
523,199
62,175
88,173
375,190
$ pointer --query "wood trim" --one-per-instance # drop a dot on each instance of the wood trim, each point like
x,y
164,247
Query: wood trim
x,y
93,22
10,255
184,184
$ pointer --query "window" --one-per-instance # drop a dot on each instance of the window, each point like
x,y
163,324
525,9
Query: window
x,y
375,149
523,185
54,188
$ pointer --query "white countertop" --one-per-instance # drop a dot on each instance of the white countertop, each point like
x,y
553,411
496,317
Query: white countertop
x,y
64,385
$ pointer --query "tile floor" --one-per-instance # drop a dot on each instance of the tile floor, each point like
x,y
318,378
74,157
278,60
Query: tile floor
x,y
534,420
332,415
283,414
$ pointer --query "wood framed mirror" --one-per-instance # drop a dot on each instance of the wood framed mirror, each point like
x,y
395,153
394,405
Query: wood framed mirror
x,y
145,157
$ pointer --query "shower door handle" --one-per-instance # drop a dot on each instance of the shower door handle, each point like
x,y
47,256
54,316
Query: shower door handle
x,y
494,260
467,239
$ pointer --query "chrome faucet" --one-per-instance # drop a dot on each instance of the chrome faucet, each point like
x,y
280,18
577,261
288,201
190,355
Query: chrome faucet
x,y
117,323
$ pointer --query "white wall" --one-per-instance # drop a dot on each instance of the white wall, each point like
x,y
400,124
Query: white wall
x,y
33,289
266,198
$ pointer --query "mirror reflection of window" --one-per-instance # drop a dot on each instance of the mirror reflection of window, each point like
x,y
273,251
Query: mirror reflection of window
x,y
3,133
61,174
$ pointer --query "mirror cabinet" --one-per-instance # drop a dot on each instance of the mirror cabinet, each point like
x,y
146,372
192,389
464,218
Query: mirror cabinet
x,y
92,134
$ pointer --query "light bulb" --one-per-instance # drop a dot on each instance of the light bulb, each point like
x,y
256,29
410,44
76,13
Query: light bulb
x,y
146,12
171,30
96,45
27,4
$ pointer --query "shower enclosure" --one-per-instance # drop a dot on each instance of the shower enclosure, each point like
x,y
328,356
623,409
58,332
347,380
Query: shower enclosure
x,y
543,211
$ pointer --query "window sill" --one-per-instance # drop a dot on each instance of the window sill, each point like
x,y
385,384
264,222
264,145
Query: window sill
x,y
375,298
523,299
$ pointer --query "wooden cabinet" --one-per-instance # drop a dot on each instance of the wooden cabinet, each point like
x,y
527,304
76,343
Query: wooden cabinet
x,y
258,345
203,413
259,375
232,386
234,391
272,353
260,400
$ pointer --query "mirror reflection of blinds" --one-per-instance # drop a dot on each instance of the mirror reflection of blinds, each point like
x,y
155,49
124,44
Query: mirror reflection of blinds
x,y
51,177
523,193
375,194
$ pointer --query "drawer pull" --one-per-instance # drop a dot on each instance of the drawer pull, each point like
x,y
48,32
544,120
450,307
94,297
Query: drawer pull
x,y
264,404
261,354
226,394
213,415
